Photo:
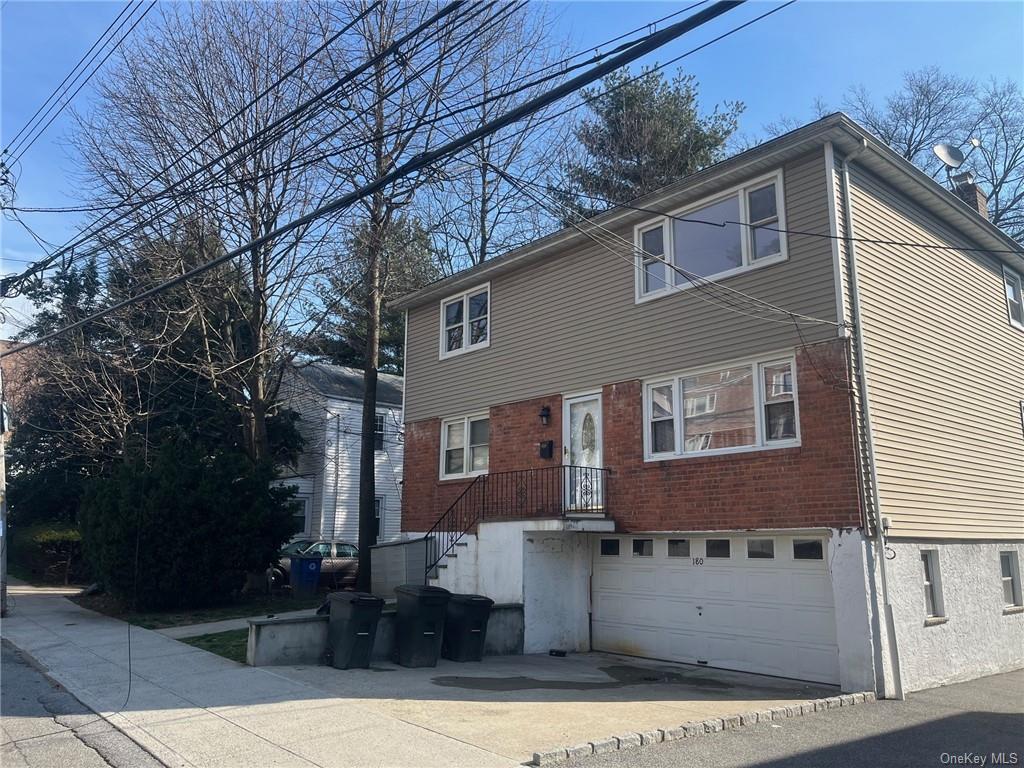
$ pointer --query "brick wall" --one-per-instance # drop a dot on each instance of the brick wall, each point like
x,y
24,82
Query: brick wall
x,y
813,485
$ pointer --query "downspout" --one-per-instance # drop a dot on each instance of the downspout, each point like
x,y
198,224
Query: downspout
x,y
862,385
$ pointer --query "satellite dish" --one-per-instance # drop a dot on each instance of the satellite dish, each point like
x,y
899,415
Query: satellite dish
x,y
950,155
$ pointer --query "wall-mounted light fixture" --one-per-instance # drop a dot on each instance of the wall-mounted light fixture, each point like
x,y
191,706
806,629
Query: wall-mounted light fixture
x,y
545,415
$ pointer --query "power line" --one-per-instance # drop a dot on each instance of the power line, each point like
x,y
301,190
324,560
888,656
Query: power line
x,y
651,43
67,77
26,144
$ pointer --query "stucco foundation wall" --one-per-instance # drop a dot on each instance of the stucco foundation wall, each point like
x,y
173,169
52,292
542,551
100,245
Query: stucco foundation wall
x,y
556,590
849,570
978,637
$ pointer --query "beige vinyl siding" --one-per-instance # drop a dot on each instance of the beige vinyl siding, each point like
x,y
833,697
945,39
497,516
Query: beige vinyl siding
x,y
945,375
570,323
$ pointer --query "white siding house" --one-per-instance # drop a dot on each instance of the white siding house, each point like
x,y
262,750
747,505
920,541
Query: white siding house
x,y
328,400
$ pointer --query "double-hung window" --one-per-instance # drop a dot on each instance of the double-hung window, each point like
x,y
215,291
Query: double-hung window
x,y
379,423
1014,284
465,446
932,585
733,232
743,406
466,321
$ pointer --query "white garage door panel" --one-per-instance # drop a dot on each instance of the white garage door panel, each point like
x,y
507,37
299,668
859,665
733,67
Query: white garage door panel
x,y
773,616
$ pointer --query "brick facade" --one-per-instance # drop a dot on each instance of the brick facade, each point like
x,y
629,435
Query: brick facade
x,y
813,485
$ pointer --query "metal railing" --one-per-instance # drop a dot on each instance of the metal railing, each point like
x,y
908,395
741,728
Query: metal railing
x,y
520,494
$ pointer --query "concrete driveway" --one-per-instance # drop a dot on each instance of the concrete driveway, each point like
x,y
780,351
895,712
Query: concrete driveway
x,y
192,708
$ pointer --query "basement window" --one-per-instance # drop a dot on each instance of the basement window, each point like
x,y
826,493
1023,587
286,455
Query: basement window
x,y
933,608
1010,572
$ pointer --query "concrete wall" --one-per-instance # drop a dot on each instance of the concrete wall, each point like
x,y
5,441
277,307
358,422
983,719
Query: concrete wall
x,y
556,589
303,640
849,570
979,637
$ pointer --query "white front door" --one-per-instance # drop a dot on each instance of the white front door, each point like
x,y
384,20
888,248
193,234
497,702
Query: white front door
x,y
582,453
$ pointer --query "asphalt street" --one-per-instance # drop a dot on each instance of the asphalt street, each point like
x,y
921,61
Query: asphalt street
x,y
44,726
960,724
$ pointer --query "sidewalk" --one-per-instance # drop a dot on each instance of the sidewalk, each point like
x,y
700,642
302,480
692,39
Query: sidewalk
x,y
192,708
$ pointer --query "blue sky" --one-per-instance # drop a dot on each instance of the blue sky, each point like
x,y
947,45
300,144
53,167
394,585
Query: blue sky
x,y
776,67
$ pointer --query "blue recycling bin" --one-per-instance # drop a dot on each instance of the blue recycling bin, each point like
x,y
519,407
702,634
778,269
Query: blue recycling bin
x,y
305,574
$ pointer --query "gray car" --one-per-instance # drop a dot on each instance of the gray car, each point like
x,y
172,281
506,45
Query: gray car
x,y
338,569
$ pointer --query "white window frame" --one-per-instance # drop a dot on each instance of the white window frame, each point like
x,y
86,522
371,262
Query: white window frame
x,y
761,443
1013,578
383,431
1009,274
465,448
742,190
463,296
746,548
934,586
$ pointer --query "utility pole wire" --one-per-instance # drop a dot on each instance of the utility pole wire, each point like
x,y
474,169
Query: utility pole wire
x,y
641,48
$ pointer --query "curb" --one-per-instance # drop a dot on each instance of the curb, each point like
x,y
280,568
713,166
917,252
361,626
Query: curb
x,y
697,728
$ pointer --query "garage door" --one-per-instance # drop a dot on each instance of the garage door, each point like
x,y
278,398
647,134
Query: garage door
x,y
752,604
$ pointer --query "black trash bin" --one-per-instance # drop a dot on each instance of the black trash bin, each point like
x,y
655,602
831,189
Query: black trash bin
x,y
419,624
352,628
465,627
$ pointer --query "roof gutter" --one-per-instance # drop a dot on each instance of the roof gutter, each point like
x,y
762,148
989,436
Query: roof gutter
x,y
880,523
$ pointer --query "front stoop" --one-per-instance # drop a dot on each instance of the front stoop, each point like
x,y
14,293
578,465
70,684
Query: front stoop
x,y
698,728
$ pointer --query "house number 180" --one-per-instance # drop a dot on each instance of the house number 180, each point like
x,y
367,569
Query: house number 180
x,y
698,561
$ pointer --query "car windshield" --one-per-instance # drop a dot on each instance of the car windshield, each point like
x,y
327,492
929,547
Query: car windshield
x,y
297,547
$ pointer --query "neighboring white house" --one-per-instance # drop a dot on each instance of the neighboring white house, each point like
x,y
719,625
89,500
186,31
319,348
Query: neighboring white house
x,y
328,398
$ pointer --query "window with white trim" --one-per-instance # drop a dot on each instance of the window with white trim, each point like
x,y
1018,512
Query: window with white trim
x,y
743,406
1009,570
465,321
465,446
932,586
379,429
730,233
1014,285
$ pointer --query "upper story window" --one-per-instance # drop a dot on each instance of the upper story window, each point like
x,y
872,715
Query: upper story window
x,y
1014,297
731,233
740,407
379,422
465,321
465,446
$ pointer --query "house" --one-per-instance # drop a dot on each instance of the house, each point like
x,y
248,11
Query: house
x,y
329,401
787,442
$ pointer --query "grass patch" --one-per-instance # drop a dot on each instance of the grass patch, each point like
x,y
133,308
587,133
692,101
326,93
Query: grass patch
x,y
230,644
255,605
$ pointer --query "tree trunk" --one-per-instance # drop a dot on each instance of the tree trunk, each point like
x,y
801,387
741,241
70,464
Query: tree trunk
x,y
367,454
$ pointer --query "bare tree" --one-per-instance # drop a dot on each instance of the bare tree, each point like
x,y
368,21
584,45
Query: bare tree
x,y
180,81
933,107
475,212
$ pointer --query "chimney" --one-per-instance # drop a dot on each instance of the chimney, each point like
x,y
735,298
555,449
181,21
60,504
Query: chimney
x,y
965,188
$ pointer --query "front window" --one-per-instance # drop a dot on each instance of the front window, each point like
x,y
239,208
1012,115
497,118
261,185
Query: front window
x,y
465,446
737,231
739,407
465,321
1014,297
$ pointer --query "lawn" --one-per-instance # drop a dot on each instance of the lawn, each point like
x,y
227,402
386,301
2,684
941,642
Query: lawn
x,y
230,644
255,605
